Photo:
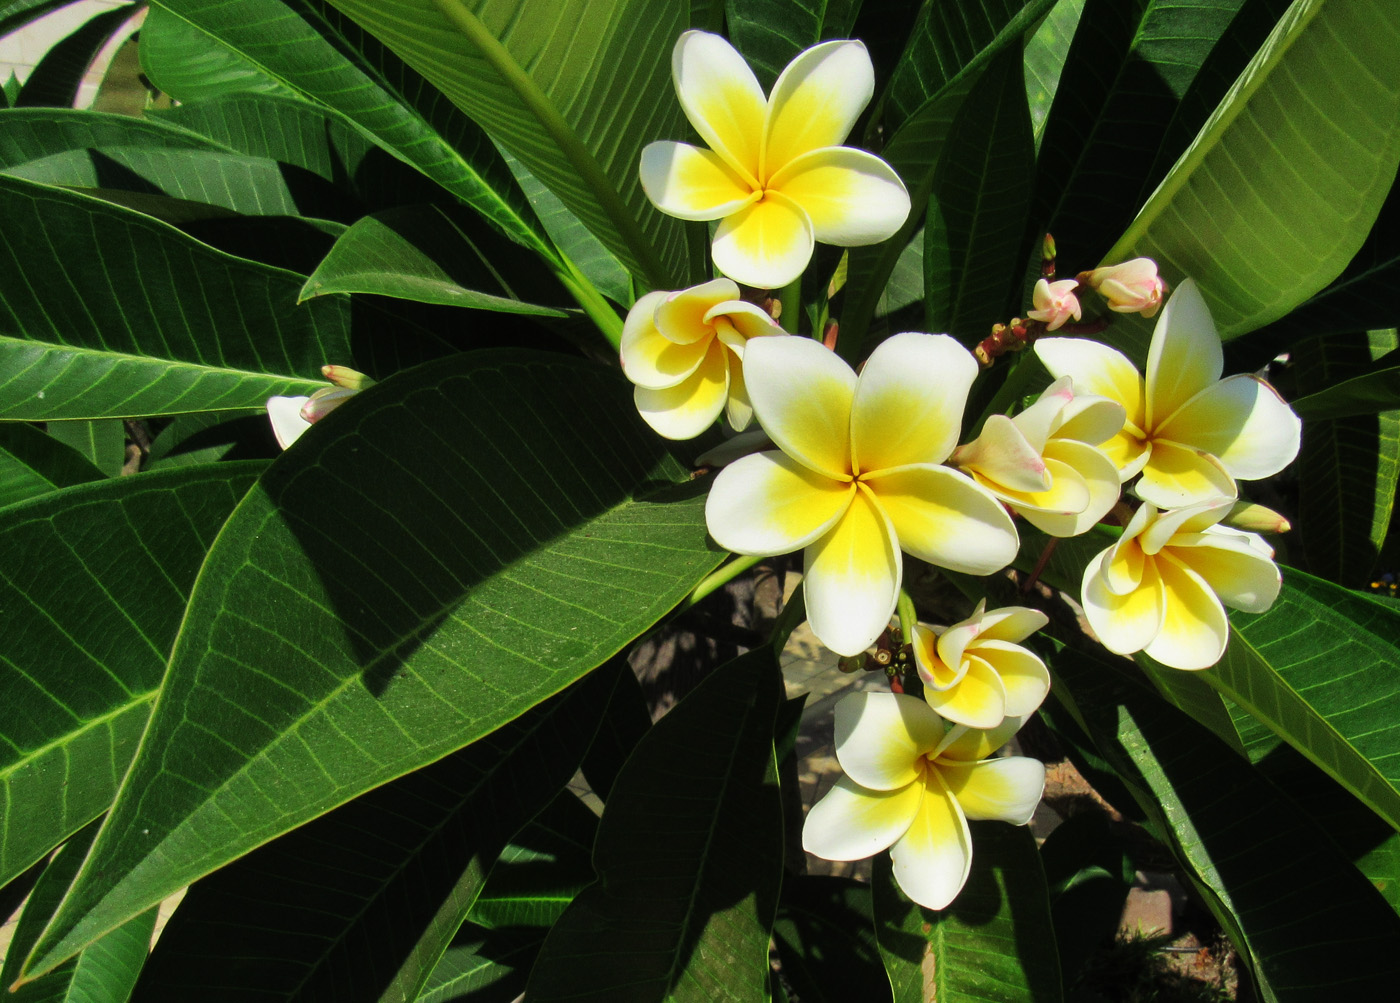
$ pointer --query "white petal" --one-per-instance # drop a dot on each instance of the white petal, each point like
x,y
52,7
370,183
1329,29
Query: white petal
x,y
690,183
852,197
942,517
815,101
649,358
1243,422
910,400
1011,623
852,822
1194,629
1004,790
882,738
1159,529
768,503
1237,572
1100,479
691,406
765,244
972,745
851,578
1023,675
684,316
721,97
1185,356
1091,419
1096,369
933,858
1039,421
1125,623
1176,476
287,423
802,393
1002,456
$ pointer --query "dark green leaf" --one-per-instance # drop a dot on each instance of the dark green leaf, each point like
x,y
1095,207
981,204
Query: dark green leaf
x,y
94,587
369,895
825,935
429,561
483,966
770,33
1046,51
625,720
54,82
101,443
33,464
1084,866
689,858
210,436
1376,389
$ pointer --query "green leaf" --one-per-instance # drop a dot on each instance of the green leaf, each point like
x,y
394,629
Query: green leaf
x,y
825,935
1284,667
483,966
522,551
1376,389
977,206
187,64
105,971
57,77
371,894
101,443
1270,876
993,944
1316,128
1085,867
415,253
688,855
33,463
163,326
770,33
210,436
94,585
1347,467
575,106
1046,52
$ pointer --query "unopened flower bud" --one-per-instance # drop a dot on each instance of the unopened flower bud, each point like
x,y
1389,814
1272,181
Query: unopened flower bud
x,y
344,376
1256,519
1055,303
1131,287
324,401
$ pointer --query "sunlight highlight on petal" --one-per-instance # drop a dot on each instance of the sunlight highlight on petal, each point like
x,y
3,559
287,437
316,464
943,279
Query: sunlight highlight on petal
x,y
852,197
942,517
768,503
909,404
852,822
691,406
721,97
851,578
765,244
690,183
1005,790
815,101
1185,356
881,738
933,858
802,396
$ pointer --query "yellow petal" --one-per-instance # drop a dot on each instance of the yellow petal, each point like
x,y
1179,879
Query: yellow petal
x,y
1068,494
1100,478
768,503
1185,356
1002,459
691,406
978,700
1235,570
1243,422
722,98
852,197
882,739
802,393
1128,451
764,244
1091,419
1122,567
1004,790
909,403
1176,476
739,409
815,102
1096,369
1024,676
741,320
684,316
1011,623
690,183
1194,629
649,358
851,578
942,517
971,745
852,822
1123,623
933,670
932,859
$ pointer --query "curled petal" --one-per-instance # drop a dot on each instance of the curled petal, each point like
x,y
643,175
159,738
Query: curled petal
x,y
1002,458
1100,479
1123,623
1185,356
851,578
1233,568
933,670
1055,303
1243,422
1004,790
933,858
1011,623
1194,628
1128,451
690,183
882,738
285,415
1068,494
768,503
971,745
1122,567
1130,287
815,102
1176,476
1161,527
722,98
765,244
649,358
802,395
1096,369
942,517
1091,419
1023,675
853,822
1043,418
691,406
738,409
977,700
852,197
736,321
910,400
684,316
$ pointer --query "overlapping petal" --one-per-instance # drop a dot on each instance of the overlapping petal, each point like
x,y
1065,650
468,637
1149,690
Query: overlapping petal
x,y
649,358
722,99
882,738
768,503
852,197
1243,422
933,858
909,405
1096,369
687,315
851,577
815,101
941,516
802,395
685,410
690,183
977,700
853,822
1005,790
1236,569
1176,475
1123,623
1002,456
1194,628
285,415
1098,475
1185,355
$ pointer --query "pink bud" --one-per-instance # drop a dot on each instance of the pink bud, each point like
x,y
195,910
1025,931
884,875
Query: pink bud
x,y
344,376
1132,287
324,401
1055,303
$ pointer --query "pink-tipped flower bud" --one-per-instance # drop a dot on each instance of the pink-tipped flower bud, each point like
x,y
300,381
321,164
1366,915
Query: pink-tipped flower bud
x,y
324,401
1055,303
1132,287
1256,519
344,376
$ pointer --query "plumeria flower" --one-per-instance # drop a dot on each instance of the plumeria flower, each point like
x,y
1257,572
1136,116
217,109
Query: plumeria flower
x,y
1132,287
1159,589
1188,432
1055,303
974,672
775,173
1044,463
857,477
292,416
684,351
912,787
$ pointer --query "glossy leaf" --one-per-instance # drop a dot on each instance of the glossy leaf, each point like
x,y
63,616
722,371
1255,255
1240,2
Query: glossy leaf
x,y
101,443
576,107
688,855
414,253
491,540
1268,873
95,582
380,885
1046,52
33,463
55,81
483,966
186,63
1316,129
993,944
770,33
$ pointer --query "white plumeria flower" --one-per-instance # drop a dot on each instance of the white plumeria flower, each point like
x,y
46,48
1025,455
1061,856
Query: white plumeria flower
x,y
1159,589
292,416
1055,303
912,787
1131,287
857,476
974,672
684,351
775,173
1044,463
1188,432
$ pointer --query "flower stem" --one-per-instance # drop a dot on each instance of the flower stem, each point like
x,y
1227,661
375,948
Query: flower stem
x,y
790,296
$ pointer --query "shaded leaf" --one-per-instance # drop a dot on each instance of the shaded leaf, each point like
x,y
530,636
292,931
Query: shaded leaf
x,y
825,935
483,966
33,463
1084,866
101,443
1046,51
522,551
1376,389
210,436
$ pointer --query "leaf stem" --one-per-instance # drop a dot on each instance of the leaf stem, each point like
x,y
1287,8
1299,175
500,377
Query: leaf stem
x,y
907,617
719,578
790,296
